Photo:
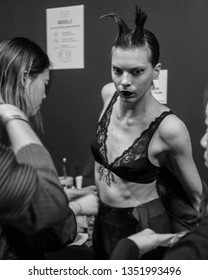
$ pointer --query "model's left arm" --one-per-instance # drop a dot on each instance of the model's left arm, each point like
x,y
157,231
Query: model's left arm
x,y
180,159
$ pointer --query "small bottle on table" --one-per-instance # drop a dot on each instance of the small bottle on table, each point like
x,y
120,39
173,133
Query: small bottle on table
x,y
64,168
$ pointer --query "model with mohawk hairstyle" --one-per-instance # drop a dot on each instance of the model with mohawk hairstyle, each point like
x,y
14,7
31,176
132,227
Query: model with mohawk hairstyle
x,y
136,137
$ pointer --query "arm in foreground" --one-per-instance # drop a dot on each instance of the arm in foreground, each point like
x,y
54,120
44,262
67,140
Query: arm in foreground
x,y
31,196
141,243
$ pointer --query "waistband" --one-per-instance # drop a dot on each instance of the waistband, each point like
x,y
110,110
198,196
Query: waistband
x,y
154,207
118,210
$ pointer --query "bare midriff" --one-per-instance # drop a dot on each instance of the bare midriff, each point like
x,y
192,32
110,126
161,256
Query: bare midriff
x,y
122,193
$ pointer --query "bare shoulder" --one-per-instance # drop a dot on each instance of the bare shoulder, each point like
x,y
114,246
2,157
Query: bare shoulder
x,y
174,132
107,92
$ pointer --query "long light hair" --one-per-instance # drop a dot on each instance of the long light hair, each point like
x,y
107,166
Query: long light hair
x,y
20,57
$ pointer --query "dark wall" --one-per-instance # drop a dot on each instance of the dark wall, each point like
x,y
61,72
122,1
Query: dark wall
x,y
70,113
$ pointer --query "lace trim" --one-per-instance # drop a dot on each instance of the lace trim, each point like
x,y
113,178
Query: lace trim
x,y
137,150
102,125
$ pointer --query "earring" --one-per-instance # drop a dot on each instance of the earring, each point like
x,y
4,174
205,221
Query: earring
x,y
156,76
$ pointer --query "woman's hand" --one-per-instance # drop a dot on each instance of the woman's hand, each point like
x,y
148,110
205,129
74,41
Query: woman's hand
x,y
85,205
76,193
89,189
147,240
7,110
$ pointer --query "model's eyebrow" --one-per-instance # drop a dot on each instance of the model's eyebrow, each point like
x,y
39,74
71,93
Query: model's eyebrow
x,y
136,68
129,69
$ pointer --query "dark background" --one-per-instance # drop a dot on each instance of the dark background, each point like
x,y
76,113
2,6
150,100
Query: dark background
x,y
72,108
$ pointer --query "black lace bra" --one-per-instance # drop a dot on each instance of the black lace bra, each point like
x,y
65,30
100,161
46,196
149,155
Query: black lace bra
x,y
133,165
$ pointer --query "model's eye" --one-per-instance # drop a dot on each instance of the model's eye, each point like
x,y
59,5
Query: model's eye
x,y
136,72
117,70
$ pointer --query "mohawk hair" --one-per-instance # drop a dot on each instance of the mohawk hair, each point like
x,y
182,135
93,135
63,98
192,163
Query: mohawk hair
x,y
140,20
129,37
123,29
137,37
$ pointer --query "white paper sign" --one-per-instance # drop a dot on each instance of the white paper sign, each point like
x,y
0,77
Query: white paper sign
x,y
65,36
160,87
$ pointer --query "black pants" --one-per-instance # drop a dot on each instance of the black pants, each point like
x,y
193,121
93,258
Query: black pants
x,y
112,224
